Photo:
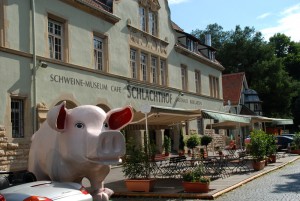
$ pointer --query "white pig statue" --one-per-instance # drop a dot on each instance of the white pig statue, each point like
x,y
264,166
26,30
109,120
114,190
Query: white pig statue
x,y
77,143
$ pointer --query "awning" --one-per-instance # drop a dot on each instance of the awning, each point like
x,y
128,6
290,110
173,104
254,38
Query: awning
x,y
221,116
282,121
255,119
160,115
226,125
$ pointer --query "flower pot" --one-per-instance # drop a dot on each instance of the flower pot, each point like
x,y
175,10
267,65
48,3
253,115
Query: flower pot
x,y
295,151
140,185
258,165
272,158
195,187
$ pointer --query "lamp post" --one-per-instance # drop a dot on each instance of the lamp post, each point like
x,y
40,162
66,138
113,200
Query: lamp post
x,y
146,109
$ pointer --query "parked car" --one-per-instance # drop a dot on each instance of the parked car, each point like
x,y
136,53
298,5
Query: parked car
x,y
283,141
47,191
289,135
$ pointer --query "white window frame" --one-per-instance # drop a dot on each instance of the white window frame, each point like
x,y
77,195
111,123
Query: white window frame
x,y
55,39
99,51
144,67
198,81
152,23
154,61
142,12
133,63
184,77
17,117
163,72
148,20
214,86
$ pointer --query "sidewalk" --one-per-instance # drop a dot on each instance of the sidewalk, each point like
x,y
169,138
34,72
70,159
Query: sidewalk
x,y
172,188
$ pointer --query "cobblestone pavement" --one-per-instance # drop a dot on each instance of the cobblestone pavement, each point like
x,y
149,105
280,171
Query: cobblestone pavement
x,y
282,184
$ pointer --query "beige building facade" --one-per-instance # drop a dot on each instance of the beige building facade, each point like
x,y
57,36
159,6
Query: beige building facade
x,y
108,53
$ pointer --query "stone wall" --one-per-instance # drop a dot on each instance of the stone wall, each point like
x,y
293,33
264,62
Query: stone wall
x,y
13,156
218,139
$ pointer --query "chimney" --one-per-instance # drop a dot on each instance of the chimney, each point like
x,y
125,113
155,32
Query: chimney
x,y
208,39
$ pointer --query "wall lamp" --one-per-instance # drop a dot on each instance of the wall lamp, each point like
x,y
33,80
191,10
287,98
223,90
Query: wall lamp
x,y
43,64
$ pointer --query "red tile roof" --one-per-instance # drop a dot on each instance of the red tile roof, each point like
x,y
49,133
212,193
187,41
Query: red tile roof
x,y
232,87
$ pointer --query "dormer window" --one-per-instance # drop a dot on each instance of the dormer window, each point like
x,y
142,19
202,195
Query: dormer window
x,y
191,45
149,17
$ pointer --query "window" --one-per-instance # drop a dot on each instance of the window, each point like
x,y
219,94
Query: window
x,y
133,64
148,67
163,73
148,20
98,53
144,67
143,18
55,37
200,125
184,77
214,87
153,69
190,45
198,82
152,24
17,118
2,23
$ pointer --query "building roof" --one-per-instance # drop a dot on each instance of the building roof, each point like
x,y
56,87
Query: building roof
x,y
176,27
232,87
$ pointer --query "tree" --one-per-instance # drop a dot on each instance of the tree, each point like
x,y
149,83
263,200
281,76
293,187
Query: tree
x,y
272,68
273,84
281,43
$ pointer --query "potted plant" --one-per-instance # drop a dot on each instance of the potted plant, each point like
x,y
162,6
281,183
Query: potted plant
x,y
137,169
205,140
271,148
167,145
257,147
192,142
194,181
295,146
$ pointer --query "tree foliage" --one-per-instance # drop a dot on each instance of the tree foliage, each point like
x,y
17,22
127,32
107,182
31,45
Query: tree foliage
x,y
272,67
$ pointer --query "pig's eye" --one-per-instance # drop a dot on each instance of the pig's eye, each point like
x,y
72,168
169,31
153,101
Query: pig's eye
x,y
79,125
105,125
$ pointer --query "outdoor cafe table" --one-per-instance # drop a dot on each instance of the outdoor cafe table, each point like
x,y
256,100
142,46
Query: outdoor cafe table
x,y
214,166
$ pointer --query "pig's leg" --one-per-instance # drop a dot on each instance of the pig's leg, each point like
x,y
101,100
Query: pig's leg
x,y
38,172
97,188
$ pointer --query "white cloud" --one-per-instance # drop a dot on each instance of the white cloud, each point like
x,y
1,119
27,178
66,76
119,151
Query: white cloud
x,y
287,24
263,16
177,1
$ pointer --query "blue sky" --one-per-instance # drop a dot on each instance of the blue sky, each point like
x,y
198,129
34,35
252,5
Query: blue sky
x,y
266,16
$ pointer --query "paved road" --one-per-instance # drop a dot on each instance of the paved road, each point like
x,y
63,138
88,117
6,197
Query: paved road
x,y
282,184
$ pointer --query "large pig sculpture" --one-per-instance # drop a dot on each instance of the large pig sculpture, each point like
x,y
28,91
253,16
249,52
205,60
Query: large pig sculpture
x,y
77,143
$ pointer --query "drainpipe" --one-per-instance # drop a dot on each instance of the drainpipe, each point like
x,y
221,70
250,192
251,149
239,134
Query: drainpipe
x,y
34,68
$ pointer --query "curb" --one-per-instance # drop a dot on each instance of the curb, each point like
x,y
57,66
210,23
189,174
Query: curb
x,y
251,178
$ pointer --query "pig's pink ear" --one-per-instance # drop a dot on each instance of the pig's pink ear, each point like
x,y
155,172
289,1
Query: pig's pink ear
x,y
119,118
56,117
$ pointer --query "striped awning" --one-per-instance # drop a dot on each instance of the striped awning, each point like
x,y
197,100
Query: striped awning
x,y
222,117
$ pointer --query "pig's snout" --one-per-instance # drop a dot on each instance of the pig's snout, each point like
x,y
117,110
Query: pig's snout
x,y
111,145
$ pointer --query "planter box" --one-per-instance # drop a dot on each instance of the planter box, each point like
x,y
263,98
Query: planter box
x,y
195,187
295,151
258,165
140,185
